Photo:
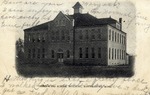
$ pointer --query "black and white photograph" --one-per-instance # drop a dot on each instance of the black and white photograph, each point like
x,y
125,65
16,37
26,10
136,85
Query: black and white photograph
x,y
77,44
74,47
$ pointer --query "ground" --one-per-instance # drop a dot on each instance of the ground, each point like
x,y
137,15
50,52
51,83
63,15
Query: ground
x,y
61,70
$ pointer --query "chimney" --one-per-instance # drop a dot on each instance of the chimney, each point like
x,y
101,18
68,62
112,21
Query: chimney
x,y
77,8
120,21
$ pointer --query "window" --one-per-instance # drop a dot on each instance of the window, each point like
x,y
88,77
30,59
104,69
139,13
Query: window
x,y
99,52
38,38
99,34
120,54
33,38
124,54
63,23
87,35
120,38
68,35
109,53
29,53
52,36
99,30
33,53
109,34
56,23
43,53
38,56
63,35
52,52
115,53
80,52
86,53
112,53
57,35
115,36
29,39
68,53
80,36
93,36
43,38
93,53
124,39
112,35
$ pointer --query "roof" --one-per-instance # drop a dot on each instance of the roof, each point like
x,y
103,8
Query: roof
x,y
80,20
77,5
89,20
43,26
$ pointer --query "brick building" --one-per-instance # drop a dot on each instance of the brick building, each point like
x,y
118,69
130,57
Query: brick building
x,y
79,39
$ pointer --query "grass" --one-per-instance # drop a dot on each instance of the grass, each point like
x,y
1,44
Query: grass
x,y
61,70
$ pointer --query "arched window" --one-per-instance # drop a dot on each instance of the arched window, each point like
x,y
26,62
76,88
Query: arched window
x,y
99,52
38,37
33,38
43,38
43,53
29,53
62,35
93,53
80,36
87,53
57,35
68,35
33,50
68,53
80,52
38,56
52,52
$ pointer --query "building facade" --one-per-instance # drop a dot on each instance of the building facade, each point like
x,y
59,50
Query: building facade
x,y
78,39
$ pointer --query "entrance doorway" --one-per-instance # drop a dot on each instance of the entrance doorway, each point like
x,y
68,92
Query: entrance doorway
x,y
60,57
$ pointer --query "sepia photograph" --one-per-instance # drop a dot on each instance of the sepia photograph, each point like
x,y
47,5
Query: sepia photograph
x,y
74,47
77,44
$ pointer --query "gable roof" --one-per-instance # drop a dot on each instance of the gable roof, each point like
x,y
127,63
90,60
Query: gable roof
x,y
60,13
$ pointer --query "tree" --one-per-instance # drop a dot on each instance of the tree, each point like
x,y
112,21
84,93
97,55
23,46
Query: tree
x,y
19,49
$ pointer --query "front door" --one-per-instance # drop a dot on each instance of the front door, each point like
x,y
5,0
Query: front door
x,y
60,57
